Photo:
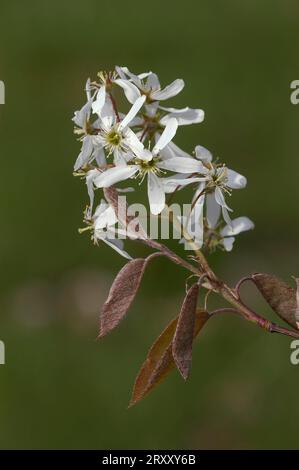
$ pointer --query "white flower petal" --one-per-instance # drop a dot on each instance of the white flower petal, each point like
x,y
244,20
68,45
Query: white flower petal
x,y
153,82
167,135
106,218
144,75
107,112
133,111
124,71
121,71
156,194
213,210
174,110
181,165
177,182
238,225
114,175
203,154
133,142
169,91
119,157
88,89
98,104
85,154
89,183
183,116
226,215
130,189
151,109
113,244
194,222
220,198
228,243
99,156
131,91
81,116
235,180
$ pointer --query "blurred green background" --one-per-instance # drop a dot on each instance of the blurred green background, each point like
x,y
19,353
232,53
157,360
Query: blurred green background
x,y
62,389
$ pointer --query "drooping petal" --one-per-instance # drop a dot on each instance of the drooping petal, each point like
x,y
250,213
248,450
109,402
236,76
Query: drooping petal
x,y
184,116
99,155
226,215
170,184
124,72
98,104
167,135
100,209
220,198
114,175
88,89
133,111
151,109
181,165
194,223
116,244
89,183
156,194
213,210
228,243
119,157
81,116
169,91
235,180
107,111
105,219
203,154
238,225
132,142
85,154
121,71
131,91
153,82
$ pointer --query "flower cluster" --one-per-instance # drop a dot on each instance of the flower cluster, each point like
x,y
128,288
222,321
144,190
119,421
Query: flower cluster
x,y
117,147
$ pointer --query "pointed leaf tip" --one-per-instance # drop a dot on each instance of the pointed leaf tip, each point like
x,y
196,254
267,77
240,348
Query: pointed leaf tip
x,y
183,337
159,361
283,299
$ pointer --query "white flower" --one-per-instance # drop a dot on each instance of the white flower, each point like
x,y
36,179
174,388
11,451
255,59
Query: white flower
x,y
185,116
214,236
104,98
103,224
82,116
148,84
153,121
151,165
220,180
238,225
116,137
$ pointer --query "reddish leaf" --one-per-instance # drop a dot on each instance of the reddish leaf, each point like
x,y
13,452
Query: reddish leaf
x,y
282,298
122,293
183,338
159,361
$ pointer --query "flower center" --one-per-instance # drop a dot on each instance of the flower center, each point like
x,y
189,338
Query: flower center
x,y
114,138
146,167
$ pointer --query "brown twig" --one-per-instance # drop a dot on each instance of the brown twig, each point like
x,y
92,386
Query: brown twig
x,y
225,291
114,105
